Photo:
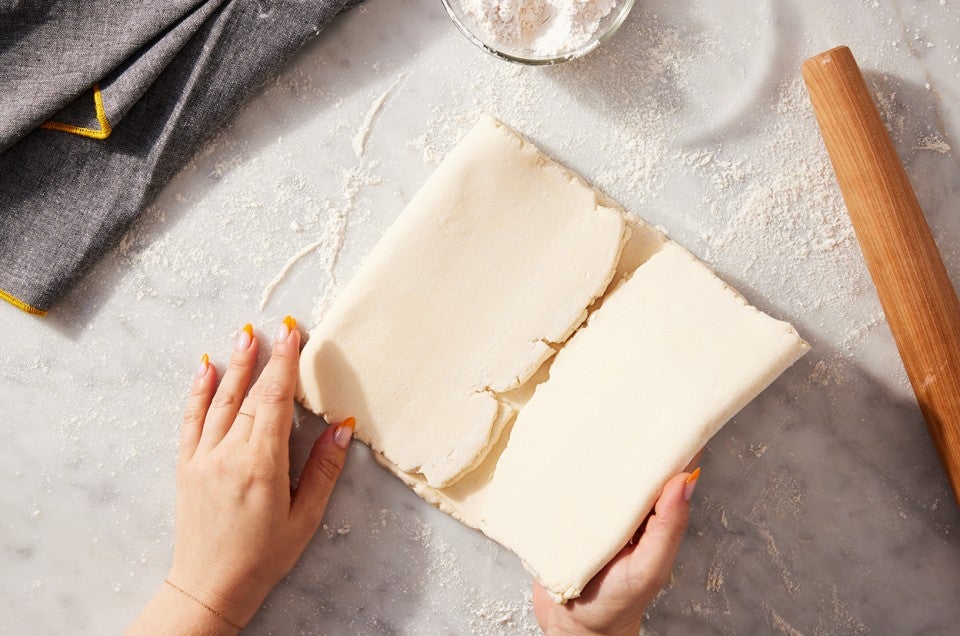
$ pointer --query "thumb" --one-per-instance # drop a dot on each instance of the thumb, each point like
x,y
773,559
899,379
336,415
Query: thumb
x,y
652,559
320,473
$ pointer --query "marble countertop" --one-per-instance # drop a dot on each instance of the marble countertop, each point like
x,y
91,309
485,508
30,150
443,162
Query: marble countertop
x,y
822,506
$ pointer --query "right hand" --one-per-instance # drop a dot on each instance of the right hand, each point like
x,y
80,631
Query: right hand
x,y
615,600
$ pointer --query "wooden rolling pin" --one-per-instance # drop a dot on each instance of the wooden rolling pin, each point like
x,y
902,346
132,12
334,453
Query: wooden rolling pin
x,y
916,294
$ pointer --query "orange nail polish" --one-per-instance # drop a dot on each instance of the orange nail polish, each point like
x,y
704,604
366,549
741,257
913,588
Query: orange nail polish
x,y
286,328
245,338
341,437
204,364
690,484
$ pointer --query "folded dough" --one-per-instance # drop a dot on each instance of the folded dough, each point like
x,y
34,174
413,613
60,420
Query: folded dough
x,y
493,262
559,460
671,355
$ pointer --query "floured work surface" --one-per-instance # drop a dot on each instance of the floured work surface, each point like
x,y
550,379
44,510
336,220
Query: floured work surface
x,y
438,346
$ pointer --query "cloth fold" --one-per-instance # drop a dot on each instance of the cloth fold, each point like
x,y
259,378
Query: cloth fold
x,y
51,54
106,100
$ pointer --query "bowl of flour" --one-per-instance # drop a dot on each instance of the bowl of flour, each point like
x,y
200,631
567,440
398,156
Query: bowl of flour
x,y
538,31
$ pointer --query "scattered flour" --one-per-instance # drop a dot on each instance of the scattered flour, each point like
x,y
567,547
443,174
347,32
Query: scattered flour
x,y
757,450
332,237
544,27
339,531
352,180
363,133
781,625
934,143
443,573
715,578
268,290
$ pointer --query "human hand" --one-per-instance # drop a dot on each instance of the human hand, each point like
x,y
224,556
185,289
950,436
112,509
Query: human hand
x,y
614,601
240,528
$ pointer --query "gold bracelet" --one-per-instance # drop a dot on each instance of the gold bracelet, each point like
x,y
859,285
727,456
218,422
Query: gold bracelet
x,y
204,605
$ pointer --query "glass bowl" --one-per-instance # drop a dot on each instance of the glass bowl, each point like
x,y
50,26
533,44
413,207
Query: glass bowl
x,y
467,25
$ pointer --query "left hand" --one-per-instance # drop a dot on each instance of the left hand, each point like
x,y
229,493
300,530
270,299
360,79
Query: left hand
x,y
240,528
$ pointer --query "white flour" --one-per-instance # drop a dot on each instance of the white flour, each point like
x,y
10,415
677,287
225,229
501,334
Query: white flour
x,y
543,27
363,133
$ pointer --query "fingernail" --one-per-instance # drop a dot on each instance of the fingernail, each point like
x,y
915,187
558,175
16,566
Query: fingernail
x,y
204,365
341,436
691,484
245,337
286,328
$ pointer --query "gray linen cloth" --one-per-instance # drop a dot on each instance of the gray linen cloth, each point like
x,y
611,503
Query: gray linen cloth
x,y
102,101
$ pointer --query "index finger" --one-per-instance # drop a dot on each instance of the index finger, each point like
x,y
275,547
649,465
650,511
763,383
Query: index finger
x,y
651,560
274,389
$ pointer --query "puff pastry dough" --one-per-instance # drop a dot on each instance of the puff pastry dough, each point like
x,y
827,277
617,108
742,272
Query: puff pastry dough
x,y
441,347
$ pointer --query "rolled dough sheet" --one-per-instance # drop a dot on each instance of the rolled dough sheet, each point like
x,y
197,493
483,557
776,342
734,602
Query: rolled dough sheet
x,y
493,262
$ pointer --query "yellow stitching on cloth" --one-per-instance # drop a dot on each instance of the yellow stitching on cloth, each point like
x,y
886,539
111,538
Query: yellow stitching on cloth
x,y
105,128
19,304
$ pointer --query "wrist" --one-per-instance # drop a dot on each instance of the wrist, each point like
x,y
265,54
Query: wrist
x,y
633,629
200,607
232,604
171,612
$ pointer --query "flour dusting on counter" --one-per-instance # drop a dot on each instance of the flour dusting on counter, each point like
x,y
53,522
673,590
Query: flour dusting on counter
x,y
544,27
268,290
363,133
